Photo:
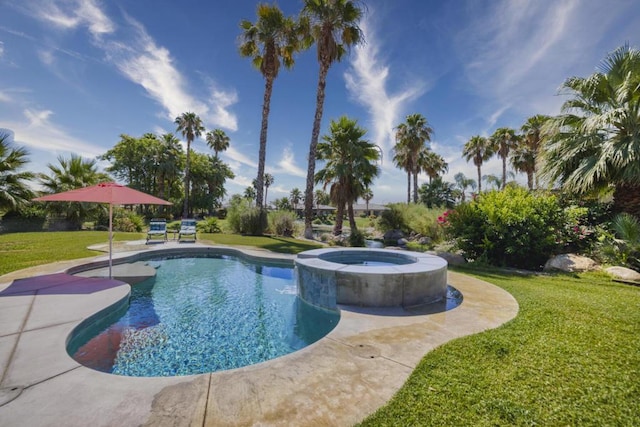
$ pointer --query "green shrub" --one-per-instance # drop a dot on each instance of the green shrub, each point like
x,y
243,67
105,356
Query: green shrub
x,y
244,218
282,223
124,220
208,225
513,228
356,239
416,218
622,244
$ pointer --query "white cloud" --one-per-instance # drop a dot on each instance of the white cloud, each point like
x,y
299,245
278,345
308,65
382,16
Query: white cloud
x,y
288,166
71,14
39,131
1,49
239,158
367,80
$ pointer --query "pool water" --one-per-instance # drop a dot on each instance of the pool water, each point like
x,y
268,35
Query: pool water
x,y
203,315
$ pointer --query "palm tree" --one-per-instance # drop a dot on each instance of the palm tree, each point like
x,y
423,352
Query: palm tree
x,y
250,193
534,135
69,174
191,127
523,159
493,180
169,158
270,42
350,166
320,197
595,143
478,149
217,140
333,26
14,191
431,163
295,196
268,181
402,159
462,183
367,195
412,136
503,140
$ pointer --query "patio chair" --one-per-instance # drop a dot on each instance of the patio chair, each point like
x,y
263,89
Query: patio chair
x,y
157,228
187,229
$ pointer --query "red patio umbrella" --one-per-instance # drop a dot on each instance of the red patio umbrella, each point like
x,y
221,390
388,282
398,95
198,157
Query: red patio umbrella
x,y
106,192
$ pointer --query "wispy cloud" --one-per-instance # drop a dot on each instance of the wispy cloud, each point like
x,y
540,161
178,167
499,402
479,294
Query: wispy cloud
x,y
138,57
37,130
287,165
239,159
517,53
367,79
72,14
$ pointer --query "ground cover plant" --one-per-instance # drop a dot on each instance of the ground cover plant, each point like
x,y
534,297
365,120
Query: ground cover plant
x,y
570,357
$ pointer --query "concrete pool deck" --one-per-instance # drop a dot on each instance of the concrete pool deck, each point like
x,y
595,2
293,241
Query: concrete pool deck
x,y
336,381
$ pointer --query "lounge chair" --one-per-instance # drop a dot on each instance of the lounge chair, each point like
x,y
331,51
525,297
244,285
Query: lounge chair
x,y
187,229
157,228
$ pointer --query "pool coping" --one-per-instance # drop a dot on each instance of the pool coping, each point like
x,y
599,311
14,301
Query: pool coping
x,y
336,381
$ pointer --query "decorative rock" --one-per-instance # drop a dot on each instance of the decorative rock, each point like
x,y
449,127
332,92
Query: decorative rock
x,y
424,240
624,273
570,263
402,242
393,235
451,258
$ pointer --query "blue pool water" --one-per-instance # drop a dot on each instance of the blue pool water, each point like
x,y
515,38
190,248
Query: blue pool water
x,y
203,315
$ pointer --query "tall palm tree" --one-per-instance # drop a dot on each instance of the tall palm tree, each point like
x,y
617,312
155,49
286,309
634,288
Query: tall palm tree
x,y
350,166
217,140
413,134
294,197
523,159
503,140
268,181
191,127
402,159
367,195
270,42
431,163
14,190
534,135
333,26
595,141
478,149
462,183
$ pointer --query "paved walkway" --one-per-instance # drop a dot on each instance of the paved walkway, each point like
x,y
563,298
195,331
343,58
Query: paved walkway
x,y
337,381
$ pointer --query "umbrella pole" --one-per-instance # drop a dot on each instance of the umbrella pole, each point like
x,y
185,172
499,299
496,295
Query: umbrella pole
x,y
110,237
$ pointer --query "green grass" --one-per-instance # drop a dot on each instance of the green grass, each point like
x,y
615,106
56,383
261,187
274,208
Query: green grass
x,y
570,357
275,244
23,250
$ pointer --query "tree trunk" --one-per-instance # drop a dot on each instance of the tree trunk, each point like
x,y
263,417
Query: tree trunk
x,y
352,218
415,187
479,180
315,134
268,88
337,227
408,187
626,198
185,206
530,180
504,172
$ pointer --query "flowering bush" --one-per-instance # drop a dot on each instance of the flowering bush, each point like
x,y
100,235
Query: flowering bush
x,y
512,228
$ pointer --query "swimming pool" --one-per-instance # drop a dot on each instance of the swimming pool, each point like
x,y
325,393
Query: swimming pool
x,y
202,314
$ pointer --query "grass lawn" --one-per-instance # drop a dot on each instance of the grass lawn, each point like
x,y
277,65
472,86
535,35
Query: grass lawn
x,y
570,357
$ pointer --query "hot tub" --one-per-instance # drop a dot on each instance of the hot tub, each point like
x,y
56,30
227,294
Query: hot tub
x,y
370,277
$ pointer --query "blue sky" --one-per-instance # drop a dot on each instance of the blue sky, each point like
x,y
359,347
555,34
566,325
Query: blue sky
x,y
75,74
